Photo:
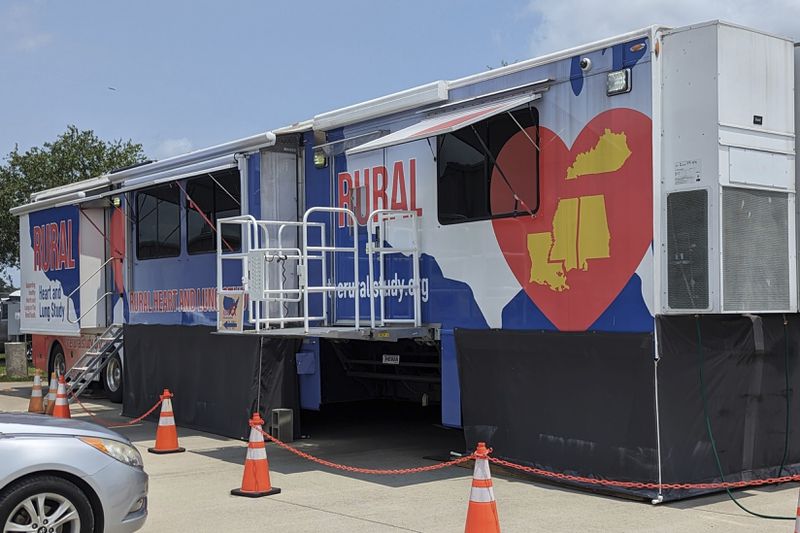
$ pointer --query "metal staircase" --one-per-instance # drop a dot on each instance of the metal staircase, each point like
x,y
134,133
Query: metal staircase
x,y
88,367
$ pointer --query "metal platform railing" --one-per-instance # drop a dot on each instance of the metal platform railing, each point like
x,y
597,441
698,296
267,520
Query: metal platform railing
x,y
268,242
319,252
377,232
257,253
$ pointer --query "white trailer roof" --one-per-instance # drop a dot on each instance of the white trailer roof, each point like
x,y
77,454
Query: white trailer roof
x,y
438,92
169,169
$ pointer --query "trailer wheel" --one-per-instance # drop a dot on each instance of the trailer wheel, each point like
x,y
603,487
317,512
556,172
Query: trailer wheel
x,y
112,379
58,361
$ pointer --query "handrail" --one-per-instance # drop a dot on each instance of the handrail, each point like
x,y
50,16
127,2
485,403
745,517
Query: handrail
x,y
323,249
103,297
78,288
378,219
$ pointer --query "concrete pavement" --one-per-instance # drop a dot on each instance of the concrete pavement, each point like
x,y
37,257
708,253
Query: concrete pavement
x,y
190,491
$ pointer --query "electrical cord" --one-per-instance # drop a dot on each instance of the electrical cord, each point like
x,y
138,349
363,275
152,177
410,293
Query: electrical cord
x,y
786,376
711,433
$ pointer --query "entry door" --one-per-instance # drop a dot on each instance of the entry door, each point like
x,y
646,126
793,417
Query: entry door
x,y
278,201
93,232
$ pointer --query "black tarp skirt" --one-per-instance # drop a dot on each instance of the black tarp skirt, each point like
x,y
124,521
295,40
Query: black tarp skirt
x,y
214,377
584,403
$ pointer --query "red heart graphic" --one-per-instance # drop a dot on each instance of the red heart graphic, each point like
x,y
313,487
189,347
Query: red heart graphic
x,y
595,216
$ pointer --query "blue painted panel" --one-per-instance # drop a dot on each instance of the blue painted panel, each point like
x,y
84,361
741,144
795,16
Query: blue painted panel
x,y
50,270
177,290
318,194
309,376
254,185
451,390
627,313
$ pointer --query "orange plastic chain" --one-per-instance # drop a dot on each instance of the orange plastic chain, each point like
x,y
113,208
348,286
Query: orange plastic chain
x,y
372,471
643,485
109,424
536,471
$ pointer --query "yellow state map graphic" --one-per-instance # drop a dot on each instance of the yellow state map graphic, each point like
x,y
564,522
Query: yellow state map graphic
x,y
580,225
608,155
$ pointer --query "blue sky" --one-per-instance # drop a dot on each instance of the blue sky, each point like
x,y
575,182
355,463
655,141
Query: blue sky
x,y
200,73
192,74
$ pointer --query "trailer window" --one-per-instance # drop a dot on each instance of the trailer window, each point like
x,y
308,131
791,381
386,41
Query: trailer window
x,y
158,222
217,195
474,185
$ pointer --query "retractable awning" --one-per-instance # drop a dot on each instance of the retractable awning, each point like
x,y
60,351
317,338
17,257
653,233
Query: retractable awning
x,y
446,122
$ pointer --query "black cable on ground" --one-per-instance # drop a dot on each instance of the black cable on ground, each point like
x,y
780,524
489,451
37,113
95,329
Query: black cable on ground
x,y
711,433
786,376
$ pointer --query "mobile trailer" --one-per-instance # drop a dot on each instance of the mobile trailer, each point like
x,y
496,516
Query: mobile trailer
x,y
551,251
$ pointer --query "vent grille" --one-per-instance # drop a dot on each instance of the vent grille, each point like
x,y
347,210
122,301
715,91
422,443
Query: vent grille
x,y
755,250
687,250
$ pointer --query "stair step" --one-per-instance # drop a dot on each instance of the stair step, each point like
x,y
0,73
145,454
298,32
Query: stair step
x,y
98,354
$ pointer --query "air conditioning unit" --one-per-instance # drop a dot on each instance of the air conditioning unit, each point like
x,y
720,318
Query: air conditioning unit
x,y
727,224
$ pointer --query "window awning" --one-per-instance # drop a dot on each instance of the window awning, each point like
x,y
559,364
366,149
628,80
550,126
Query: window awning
x,y
445,123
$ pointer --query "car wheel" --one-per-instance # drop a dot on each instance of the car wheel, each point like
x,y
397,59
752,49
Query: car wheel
x,y
45,503
58,362
112,379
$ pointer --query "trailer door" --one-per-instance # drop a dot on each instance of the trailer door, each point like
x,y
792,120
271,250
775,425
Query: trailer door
x,y
93,245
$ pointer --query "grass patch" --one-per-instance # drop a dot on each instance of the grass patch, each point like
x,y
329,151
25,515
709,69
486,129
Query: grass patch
x,y
5,378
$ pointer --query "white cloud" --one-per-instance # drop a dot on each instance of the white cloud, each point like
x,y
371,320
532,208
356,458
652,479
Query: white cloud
x,y
570,23
30,42
171,147
19,27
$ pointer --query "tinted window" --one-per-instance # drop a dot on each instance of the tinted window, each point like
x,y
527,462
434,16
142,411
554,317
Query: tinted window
x,y
217,196
158,222
490,169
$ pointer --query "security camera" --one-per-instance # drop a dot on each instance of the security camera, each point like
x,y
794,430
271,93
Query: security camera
x,y
586,64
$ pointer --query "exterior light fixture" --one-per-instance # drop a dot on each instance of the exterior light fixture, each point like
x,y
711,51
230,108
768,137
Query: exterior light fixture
x,y
618,82
320,161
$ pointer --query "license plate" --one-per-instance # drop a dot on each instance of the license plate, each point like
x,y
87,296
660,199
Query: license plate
x,y
390,359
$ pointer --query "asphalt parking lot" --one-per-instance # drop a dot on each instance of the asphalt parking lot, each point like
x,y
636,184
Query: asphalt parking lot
x,y
190,491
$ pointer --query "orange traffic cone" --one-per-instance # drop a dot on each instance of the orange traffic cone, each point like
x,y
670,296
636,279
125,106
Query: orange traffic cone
x,y
36,404
255,482
797,519
167,433
51,394
482,510
61,409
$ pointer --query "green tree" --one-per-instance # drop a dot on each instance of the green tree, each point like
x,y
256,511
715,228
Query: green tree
x,y
75,155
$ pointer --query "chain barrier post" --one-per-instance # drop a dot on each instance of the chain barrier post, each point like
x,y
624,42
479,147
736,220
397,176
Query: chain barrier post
x,y
36,403
61,409
255,481
482,510
167,433
51,395
797,516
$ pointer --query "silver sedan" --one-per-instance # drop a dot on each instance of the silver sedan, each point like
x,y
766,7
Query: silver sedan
x,y
67,476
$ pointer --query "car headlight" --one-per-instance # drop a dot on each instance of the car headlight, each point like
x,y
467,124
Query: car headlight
x,y
120,451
